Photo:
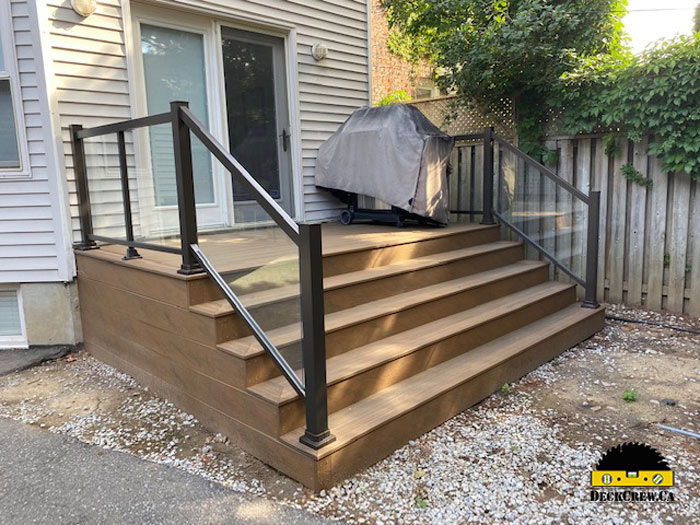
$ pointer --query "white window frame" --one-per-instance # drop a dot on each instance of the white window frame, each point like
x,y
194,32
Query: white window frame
x,y
15,341
11,73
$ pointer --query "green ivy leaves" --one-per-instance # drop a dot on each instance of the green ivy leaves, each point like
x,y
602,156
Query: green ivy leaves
x,y
656,93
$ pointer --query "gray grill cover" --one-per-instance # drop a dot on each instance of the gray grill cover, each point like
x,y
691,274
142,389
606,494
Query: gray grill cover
x,y
393,153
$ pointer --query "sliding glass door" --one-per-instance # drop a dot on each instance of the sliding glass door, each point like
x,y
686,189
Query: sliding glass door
x,y
235,83
257,117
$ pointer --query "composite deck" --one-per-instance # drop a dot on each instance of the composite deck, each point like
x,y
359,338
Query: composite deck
x,y
421,323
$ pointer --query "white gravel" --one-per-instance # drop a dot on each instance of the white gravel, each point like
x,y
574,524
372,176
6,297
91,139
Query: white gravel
x,y
509,460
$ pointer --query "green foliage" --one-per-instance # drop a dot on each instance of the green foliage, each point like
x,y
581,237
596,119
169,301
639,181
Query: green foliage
x,y
611,144
630,395
632,174
655,93
490,50
395,97
505,389
420,503
696,19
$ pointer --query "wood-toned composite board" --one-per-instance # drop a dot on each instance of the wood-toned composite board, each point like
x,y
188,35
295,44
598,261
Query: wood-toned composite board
x,y
421,324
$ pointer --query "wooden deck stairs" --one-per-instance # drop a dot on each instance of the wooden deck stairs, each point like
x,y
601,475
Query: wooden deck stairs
x,y
419,326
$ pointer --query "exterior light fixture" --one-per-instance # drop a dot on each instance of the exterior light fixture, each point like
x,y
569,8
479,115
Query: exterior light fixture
x,y
319,51
84,7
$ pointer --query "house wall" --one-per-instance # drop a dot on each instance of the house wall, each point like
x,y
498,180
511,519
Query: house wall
x,y
36,259
92,77
32,244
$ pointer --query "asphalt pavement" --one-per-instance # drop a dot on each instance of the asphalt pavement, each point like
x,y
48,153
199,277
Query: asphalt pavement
x,y
53,479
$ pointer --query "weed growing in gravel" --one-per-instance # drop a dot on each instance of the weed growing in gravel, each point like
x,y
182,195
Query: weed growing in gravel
x,y
421,503
630,395
505,389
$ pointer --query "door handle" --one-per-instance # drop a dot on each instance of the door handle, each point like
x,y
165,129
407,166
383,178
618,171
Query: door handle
x,y
285,139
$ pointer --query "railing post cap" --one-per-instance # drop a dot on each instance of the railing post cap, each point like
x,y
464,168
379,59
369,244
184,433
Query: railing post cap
x,y
179,103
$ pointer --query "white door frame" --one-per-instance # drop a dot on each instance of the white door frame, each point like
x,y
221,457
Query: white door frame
x,y
218,213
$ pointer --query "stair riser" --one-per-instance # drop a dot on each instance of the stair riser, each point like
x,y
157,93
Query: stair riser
x,y
372,258
288,312
378,444
358,387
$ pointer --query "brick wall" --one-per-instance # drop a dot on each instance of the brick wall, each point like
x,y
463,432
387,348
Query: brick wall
x,y
390,72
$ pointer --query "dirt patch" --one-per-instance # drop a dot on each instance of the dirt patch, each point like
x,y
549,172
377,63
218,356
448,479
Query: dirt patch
x,y
522,456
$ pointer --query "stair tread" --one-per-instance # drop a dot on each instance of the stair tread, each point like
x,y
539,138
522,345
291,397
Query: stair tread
x,y
354,421
222,307
343,366
247,346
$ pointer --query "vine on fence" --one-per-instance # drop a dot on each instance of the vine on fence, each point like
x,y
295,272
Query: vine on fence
x,y
656,93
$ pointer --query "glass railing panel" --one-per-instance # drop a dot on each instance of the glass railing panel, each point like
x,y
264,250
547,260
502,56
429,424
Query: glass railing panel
x,y
256,258
466,181
548,213
104,185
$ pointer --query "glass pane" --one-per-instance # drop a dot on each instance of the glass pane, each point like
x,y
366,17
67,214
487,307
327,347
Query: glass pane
x,y
260,263
249,76
9,150
103,175
549,214
151,223
10,324
174,69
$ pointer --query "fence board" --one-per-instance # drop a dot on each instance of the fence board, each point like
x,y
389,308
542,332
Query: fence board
x,y
617,217
694,302
678,243
638,197
657,234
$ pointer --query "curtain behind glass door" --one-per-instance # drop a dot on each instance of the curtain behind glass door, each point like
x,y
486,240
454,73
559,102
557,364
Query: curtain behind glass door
x,y
173,63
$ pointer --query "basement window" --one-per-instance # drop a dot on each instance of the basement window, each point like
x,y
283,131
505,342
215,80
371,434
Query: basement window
x,y
12,330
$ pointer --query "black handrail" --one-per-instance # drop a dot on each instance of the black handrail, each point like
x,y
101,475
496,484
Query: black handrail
x,y
307,237
263,198
545,171
592,200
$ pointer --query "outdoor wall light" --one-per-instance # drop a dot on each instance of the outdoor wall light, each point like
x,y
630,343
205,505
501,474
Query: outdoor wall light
x,y
84,7
319,51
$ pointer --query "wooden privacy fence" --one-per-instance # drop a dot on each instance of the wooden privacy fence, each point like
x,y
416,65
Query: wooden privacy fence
x,y
649,243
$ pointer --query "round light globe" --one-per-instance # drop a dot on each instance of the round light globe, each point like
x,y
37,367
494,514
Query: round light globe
x,y
319,51
84,7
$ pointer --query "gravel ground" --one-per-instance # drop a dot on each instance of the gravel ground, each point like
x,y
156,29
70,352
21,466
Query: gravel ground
x,y
524,455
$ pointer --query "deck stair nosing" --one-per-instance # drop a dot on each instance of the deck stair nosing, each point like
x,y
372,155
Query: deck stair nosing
x,y
358,360
248,347
221,307
366,415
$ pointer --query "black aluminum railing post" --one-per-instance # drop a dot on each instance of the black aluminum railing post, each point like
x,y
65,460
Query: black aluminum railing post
x,y
184,180
488,217
81,185
131,252
313,342
590,299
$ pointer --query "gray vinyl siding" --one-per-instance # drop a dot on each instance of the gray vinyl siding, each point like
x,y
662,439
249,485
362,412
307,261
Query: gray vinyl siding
x,y
92,79
30,224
